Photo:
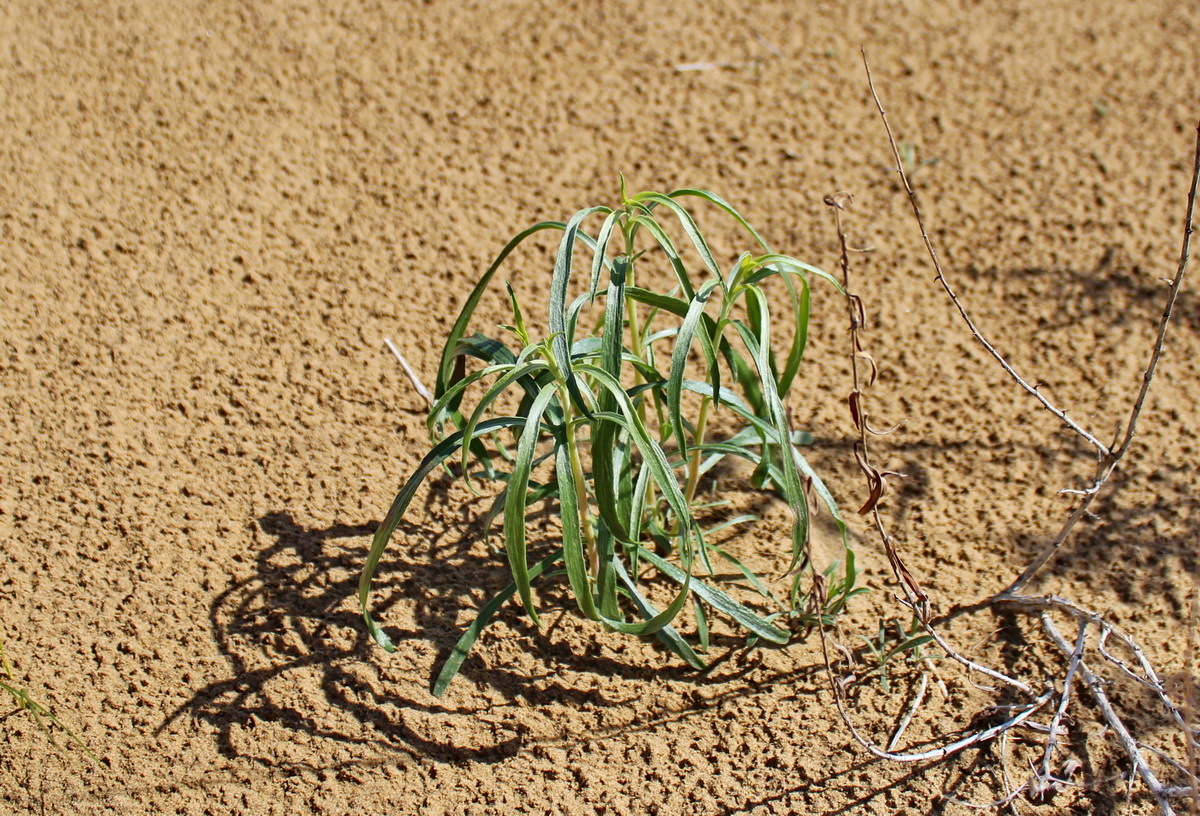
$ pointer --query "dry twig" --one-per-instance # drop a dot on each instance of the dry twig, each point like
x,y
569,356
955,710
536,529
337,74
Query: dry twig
x,y
412,375
1011,597
941,278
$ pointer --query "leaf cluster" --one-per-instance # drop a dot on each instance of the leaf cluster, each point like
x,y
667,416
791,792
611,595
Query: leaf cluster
x,y
612,427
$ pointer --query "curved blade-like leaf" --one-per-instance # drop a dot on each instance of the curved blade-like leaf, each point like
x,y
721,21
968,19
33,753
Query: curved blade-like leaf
x,y
689,227
514,507
499,387
707,331
575,558
605,433
652,453
446,368
668,246
494,352
440,412
605,476
793,491
387,527
713,198
769,433
561,342
463,647
572,533
601,250
718,600
774,264
669,637
679,359
800,306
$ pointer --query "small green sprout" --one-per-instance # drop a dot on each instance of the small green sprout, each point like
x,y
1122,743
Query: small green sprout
x,y
36,710
908,642
912,166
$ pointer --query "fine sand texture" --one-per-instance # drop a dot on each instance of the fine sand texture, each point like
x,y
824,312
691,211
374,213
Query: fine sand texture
x,y
212,214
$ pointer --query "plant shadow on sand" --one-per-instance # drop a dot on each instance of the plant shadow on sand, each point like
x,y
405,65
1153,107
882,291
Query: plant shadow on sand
x,y
303,670
301,662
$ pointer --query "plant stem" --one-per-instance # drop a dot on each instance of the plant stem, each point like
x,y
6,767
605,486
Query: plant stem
x,y
697,441
564,396
580,488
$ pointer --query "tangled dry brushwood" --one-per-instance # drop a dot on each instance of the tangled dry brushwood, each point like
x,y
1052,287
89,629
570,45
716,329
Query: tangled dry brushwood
x,y
1091,644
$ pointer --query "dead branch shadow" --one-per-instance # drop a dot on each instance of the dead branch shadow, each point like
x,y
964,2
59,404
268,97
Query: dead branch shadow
x,y
1135,549
1117,290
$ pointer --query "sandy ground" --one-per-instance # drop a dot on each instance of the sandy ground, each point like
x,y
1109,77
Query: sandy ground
x,y
212,214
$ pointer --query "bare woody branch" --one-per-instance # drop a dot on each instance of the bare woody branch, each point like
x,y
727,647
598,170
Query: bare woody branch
x,y
1110,462
1101,448
1075,656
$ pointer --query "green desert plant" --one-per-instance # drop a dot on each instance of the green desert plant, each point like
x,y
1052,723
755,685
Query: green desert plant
x,y
613,426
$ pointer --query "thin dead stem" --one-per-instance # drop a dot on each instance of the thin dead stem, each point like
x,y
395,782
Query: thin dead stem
x,y
876,479
942,751
1189,694
412,375
941,279
915,597
1096,686
1112,459
1046,777
917,699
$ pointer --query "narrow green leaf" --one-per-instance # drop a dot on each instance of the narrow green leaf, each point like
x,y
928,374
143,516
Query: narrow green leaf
x,y
689,227
572,532
497,388
775,264
724,205
606,582
605,433
679,359
823,493
600,251
800,306
387,527
488,349
440,412
605,475
707,330
668,246
755,320
514,507
701,622
563,260
463,647
636,509
718,600
667,634
660,335
446,368
793,491
652,454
